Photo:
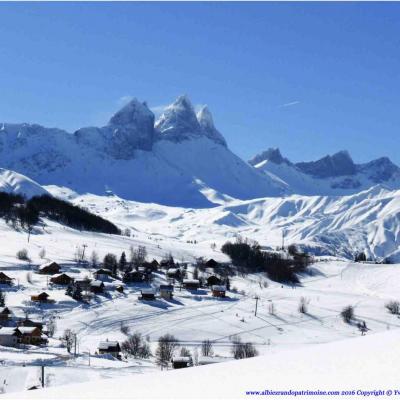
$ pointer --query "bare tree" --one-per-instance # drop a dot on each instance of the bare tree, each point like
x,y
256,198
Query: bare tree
x,y
303,305
167,345
51,326
94,259
68,339
42,253
135,346
206,348
185,352
242,350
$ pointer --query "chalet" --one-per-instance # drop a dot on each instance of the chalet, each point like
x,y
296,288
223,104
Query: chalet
x,y
211,263
61,279
97,287
110,347
49,268
147,294
135,277
5,314
10,337
173,273
213,280
102,274
41,298
31,335
191,284
166,291
218,291
181,362
28,322
84,284
5,279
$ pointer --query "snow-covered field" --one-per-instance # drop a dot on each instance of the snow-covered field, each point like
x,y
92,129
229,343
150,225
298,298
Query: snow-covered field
x,y
191,317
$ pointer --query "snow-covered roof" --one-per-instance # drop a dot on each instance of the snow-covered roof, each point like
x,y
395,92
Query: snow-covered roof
x,y
191,281
48,264
148,291
108,344
219,288
7,331
27,329
96,283
172,271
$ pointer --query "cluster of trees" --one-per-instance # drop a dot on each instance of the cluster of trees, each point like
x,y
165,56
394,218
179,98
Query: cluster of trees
x,y
248,258
135,346
360,257
20,212
242,350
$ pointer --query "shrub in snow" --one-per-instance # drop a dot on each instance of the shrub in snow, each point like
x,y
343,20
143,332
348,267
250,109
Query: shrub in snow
x,y
303,305
393,307
348,314
23,255
242,350
42,253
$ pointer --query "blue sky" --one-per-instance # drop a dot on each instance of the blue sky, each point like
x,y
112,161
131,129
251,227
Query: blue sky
x,y
310,78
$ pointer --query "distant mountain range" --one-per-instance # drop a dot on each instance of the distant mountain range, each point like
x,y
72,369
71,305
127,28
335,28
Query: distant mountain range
x,y
335,174
181,159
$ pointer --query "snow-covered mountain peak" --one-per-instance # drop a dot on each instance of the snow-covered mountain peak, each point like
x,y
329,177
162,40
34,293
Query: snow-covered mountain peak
x,y
134,113
206,122
178,121
338,164
273,155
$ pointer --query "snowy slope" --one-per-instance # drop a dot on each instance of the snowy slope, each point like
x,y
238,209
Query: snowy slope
x,y
181,159
364,365
12,182
331,175
326,225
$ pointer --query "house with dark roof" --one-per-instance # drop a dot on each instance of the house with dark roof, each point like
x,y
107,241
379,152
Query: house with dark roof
x,y
5,314
62,279
181,362
110,347
49,268
5,279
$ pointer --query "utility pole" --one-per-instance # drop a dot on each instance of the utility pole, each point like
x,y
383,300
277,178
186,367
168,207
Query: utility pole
x,y
283,239
42,375
255,311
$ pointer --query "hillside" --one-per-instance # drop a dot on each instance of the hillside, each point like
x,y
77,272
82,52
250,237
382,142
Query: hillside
x,y
351,365
325,225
